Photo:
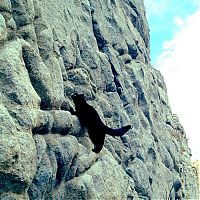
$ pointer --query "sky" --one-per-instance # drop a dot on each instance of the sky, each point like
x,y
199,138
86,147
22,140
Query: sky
x,y
175,51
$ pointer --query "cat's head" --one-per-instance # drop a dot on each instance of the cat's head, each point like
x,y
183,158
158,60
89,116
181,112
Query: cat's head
x,y
78,98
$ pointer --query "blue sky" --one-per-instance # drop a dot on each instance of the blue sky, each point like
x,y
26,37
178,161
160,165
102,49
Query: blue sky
x,y
161,16
175,51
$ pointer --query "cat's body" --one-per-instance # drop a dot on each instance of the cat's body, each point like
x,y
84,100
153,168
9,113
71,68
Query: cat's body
x,y
89,118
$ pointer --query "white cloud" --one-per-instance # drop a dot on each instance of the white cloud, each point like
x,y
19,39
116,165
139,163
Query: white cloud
x,y
157,7
180,65
179,21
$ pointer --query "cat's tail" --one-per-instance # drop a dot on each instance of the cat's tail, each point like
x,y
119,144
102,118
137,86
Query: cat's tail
x,y
118,132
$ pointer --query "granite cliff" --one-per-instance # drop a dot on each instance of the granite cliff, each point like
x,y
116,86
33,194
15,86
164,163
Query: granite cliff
x,y
49,50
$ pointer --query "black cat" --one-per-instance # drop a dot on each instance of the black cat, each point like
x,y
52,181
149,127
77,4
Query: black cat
x,y
89,118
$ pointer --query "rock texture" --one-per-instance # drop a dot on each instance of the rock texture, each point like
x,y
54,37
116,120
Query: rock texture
x,y
49,50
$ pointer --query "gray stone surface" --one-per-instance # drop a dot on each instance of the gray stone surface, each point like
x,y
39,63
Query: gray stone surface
x,y
49,50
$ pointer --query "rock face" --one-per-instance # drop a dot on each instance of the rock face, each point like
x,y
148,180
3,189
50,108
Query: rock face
x,y
49,50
